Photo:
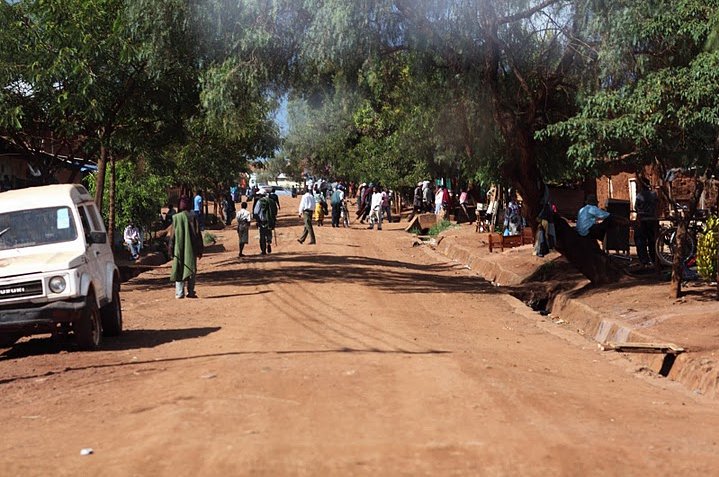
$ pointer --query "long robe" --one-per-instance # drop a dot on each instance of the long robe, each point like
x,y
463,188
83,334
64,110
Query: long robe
x,y
187,246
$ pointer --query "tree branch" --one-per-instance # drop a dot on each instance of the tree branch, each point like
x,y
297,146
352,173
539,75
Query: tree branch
x,y
527,13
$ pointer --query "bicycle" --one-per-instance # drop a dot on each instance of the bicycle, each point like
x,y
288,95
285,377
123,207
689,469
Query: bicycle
x,y
666,242
344,215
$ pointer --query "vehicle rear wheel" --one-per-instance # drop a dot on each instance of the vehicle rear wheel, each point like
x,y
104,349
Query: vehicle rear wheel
x,y
88,327
112,314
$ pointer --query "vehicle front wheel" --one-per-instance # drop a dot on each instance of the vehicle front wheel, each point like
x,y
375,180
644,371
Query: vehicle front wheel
x,y
88,327
112,314
8,340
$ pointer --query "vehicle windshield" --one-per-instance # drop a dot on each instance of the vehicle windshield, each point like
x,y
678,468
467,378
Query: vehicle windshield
x,y
29,228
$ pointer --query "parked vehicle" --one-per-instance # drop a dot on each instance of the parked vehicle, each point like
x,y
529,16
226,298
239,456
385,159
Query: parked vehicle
x,y
57,271
281,191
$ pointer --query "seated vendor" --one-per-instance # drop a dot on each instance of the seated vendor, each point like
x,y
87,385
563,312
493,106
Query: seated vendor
x,y
587,225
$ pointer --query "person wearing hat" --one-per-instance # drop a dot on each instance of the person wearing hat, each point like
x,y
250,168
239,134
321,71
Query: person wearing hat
x,y
587,225
186,247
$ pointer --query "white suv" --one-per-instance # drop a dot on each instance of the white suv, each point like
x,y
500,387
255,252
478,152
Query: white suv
x,y
57,272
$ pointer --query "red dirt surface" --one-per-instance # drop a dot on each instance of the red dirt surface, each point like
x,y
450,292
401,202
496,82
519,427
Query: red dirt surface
x,y
362,355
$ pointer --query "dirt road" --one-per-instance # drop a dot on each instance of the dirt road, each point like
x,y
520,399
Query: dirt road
x,y
361,355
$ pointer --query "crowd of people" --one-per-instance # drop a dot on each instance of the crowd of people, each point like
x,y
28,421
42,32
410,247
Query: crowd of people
x,y
373,208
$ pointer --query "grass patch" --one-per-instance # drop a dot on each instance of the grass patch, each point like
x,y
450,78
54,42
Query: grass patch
x,y
440,227
209,239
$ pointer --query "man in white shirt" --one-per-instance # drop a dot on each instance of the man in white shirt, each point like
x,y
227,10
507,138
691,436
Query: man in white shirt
x,y
375,213
132,239
305,210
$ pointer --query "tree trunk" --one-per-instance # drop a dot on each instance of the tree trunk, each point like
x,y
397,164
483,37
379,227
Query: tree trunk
x,y
675,288
111,209
100,177
717,277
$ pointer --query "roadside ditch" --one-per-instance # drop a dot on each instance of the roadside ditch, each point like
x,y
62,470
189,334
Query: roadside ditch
x,y
554,292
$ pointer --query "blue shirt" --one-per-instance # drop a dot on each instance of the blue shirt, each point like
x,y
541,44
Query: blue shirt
x,y
587,217
198,204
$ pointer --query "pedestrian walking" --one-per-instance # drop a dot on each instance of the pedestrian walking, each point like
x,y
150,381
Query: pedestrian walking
x,y
265,214
387,205
320,205
446,202
307,206
187,247
416,201
464,202
375,215
337,201
427,197
228,206
243,226
197,208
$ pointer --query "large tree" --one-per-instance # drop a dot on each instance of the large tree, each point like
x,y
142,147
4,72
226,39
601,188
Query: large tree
x,y
655,97
84,74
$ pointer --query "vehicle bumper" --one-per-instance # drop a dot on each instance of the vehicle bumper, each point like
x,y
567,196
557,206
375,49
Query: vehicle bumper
x,y
40,319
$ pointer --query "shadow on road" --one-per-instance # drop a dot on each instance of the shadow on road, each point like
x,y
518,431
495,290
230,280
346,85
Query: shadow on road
x,y
129,339
401,277
229,353
231,295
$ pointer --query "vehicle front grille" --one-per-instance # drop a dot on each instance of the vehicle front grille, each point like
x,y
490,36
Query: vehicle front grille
x,y
21,290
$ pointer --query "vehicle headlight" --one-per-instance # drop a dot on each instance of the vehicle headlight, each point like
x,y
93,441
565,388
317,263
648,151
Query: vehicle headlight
x,y
57,284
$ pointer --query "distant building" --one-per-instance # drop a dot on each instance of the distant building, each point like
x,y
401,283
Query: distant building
x,y
19,170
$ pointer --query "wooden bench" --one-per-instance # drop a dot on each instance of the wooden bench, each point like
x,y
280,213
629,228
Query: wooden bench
x,y
510,241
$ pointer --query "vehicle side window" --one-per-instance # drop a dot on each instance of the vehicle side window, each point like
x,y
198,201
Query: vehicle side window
x,y
95,219
85,222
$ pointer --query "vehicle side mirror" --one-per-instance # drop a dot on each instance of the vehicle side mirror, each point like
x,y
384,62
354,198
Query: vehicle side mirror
x,y
97,237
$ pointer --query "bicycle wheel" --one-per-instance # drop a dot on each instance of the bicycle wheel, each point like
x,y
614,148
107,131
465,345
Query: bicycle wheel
x,y
666,246
663,245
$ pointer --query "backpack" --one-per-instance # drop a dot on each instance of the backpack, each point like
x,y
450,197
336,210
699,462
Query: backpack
x,y
336,198
268,211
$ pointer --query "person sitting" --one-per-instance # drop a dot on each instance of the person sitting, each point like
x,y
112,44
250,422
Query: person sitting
x,y
587,225
133,240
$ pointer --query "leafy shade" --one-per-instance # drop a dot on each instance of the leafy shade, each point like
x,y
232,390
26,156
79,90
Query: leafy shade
x,y
671,114
141,191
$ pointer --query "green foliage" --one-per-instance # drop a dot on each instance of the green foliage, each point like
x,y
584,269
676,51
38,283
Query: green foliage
x,y
440,227
707,249
209,238
140,194
657,93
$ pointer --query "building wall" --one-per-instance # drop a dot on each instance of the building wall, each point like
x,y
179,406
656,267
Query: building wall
x,y
618,186
14,172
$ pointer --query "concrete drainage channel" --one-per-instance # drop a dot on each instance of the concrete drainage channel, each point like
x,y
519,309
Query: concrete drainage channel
x,y
699,374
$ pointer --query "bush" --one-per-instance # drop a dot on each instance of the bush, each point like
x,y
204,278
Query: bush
x,y
707,249
440,227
